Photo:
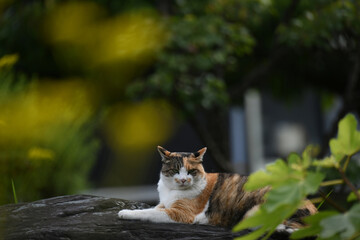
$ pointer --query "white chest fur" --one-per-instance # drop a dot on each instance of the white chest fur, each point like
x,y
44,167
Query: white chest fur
x,y
169,194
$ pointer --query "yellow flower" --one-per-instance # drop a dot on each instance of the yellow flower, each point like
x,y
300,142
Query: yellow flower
x,y
133,38
44,108
8,60
139,126
40,153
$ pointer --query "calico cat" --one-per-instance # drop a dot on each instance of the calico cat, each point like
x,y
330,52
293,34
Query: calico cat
x,y
190,195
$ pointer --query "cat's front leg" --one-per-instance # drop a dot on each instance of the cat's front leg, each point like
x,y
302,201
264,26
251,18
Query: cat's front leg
x,y
152,215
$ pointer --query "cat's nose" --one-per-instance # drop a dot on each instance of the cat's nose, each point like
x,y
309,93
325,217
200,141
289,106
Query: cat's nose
x,y
183,180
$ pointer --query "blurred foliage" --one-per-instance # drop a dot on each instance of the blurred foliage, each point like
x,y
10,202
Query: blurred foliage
x,y
290,183
219,49
198,56
301,176
46,142
73,61
332,26
8,60
214,49
4,4
86,40
41,107
192,68
83,38
215,45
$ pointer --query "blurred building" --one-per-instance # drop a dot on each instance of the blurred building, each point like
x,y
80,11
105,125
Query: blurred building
x,y
266,129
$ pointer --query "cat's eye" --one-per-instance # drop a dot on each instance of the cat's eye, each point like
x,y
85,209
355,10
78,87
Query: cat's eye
x,y
193,171
173,171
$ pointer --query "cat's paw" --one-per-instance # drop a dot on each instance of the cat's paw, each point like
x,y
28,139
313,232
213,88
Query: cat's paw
x,y
281,228
127,214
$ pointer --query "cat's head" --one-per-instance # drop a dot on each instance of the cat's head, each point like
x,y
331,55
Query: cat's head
x,y
182,170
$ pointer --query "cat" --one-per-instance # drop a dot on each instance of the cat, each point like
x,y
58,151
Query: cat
x,y
190,195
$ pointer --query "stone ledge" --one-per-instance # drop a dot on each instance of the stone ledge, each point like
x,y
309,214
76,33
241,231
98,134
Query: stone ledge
x,y
91,217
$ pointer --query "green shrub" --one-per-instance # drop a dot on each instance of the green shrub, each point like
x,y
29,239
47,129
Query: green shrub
x,y
47,146
299,176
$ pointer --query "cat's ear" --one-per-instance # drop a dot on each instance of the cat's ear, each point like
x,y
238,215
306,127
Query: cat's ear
x,y
165,154
200,154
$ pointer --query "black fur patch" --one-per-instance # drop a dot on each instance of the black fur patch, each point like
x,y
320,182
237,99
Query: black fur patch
x,y
232,212
299,214
173,163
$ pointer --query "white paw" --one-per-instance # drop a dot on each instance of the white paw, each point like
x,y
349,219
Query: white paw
x,y
127,214
281,227
284,228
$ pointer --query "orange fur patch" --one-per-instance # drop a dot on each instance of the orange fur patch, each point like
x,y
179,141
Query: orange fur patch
x,y
185,210
191,163
174,154
297,222
293,225
309,206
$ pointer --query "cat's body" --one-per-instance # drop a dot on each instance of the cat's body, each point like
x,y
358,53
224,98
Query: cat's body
x,y
190,195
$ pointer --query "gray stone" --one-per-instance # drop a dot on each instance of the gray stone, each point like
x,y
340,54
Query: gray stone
x,y
90,217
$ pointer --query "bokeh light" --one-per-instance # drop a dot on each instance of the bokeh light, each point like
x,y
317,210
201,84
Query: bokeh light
x,y
95,39
140,126
35,113
69,22
37,153
8,60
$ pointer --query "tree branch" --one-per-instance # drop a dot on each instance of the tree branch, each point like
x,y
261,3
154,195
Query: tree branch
x,y
256,75
218,157
347,181
353,79
289,12
350,103
331,202
332,132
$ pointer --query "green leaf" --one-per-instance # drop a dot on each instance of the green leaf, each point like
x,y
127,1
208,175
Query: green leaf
x,y
278,167
303,162
313,222
287,194
293,191
14,191
352,196
258,180
312,182
276,173
347,224
309,153
260,220
294,159
348,139
328,162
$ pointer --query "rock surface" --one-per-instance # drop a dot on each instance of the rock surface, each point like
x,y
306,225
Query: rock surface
x,y
89,217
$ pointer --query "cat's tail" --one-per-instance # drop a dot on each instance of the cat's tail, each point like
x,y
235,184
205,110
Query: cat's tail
x,y
296,222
